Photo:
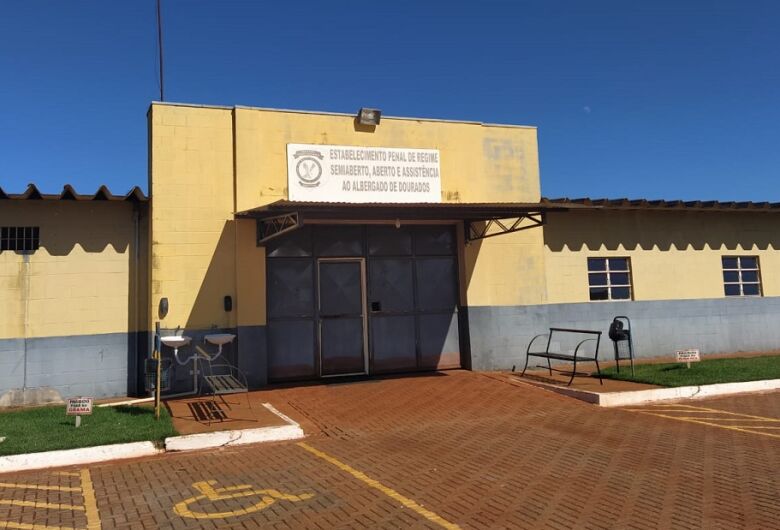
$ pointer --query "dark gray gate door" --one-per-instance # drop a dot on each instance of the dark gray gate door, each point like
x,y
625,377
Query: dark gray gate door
x,y
413,298
342,317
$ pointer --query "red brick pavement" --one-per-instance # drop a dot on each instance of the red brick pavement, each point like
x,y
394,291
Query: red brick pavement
x,y
477,451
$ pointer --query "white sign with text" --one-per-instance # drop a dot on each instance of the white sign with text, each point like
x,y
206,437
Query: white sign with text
x,y
79,406
342,173
688,356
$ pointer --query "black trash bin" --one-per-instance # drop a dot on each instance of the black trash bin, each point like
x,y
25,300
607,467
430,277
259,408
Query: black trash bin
x,y
150,369
620,333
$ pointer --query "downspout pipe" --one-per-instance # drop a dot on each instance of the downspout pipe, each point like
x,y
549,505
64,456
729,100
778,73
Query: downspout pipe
x,y
136,309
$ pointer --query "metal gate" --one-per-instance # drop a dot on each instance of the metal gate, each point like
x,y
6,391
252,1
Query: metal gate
x,y
342,295
343,337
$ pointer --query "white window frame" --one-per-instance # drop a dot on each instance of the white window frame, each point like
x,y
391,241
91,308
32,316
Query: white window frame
x,y
609,285
740,282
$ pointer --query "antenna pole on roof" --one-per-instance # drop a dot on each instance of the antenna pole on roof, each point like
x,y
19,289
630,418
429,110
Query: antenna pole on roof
x,y
160,48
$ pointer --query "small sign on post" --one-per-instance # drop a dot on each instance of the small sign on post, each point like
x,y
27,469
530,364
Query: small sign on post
x,y
81,406
688,356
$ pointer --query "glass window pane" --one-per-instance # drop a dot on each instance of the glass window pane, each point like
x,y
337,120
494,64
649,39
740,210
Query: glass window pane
x,y
619,278
597,264
729,263
730,276
621,293
748,262
597,279
750,276
599,293
618,264
750,289
731,289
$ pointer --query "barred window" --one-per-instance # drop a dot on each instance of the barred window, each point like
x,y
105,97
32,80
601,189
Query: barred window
x,y
609,278
19,238
741,276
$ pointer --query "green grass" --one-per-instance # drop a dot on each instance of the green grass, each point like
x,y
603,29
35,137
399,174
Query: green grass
x,y
706,372
47,428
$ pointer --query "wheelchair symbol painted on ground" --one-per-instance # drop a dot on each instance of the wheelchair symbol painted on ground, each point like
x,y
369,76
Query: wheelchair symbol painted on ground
x,y
208,492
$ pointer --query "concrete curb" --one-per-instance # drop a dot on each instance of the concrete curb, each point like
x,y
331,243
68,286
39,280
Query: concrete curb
x,y
209,440
636,397
73,457
104,453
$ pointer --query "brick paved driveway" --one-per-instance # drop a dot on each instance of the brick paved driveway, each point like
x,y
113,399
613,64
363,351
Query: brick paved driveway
x,y
457,450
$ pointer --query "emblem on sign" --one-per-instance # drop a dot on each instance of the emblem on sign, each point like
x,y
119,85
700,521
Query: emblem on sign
x,y
308,168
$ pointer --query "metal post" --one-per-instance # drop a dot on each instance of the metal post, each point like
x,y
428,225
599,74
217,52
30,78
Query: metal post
x,y
160,45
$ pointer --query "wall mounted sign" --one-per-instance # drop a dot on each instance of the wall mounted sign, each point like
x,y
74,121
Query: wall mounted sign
x,y
343,173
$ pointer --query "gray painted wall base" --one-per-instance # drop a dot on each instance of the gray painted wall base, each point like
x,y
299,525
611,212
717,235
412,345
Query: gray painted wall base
x,y
500,335
97,365
253,354
71,366
18,397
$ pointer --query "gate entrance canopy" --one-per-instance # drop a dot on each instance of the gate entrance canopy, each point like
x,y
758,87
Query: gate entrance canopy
x,y
480,220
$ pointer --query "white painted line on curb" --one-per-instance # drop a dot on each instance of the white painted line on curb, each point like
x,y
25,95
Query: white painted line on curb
x,y
285,417
652,395
73,457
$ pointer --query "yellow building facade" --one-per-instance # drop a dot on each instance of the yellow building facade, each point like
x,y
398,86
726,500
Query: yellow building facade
x,y
71,301
209,164
329,246
674,254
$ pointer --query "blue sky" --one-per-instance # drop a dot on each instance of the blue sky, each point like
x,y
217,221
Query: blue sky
x,y
663,99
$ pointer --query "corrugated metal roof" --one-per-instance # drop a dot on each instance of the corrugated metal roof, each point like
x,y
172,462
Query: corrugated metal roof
x,y
550,204
68,193
645,204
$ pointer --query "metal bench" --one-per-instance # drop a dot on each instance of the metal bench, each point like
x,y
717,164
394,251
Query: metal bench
x,y
223,378
560,356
